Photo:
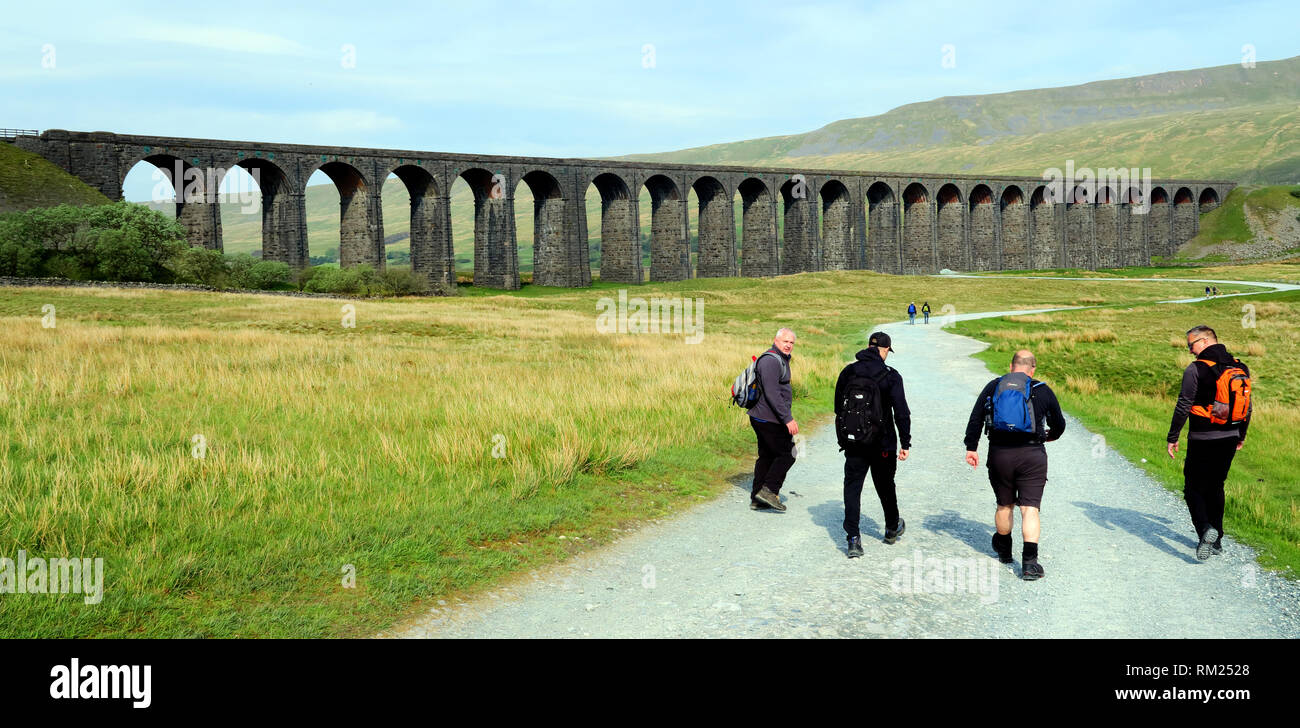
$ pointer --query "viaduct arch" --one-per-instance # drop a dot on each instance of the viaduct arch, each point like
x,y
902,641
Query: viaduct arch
x,y
791,220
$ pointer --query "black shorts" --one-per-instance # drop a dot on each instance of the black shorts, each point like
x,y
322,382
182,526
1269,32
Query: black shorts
x,y
1018,474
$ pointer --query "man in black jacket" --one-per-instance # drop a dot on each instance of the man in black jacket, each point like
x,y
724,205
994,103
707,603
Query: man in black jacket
x,y
1210,446
773,423
1017,461
876,456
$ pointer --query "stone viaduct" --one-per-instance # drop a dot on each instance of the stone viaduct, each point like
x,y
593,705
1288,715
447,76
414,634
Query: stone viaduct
x,y
829,219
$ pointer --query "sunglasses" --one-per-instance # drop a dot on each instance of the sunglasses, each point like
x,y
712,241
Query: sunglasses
x,y
1192,343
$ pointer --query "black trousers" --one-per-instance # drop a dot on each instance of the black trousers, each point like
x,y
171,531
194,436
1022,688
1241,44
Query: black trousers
x,y
882,466
1205,470
775,456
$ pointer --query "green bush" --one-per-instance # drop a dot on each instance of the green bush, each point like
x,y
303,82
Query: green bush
x,y
266,275
19,256
120,256
303,276
362,280
245,271
401,282
121,241
199,265
238,267
67,266
356,280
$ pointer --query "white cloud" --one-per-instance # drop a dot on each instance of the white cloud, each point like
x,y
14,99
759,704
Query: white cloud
x,y
224,38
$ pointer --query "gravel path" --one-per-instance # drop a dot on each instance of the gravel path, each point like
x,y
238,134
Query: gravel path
x,y
1116,546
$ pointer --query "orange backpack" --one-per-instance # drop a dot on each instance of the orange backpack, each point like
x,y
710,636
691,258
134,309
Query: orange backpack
x,y
1231,396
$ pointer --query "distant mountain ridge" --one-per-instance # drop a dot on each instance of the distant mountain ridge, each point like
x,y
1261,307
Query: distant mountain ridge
x,y
1222,122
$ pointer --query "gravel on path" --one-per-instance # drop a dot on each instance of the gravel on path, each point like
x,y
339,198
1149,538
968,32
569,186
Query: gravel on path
x,y
1118,550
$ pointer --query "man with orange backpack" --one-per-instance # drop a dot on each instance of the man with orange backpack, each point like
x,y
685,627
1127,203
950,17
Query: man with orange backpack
x,y
1215,397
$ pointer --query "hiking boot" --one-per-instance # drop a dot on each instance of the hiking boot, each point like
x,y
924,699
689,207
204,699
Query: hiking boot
x,y
772,499
1206,546
855,547
759,506
1004,555
1031,571
1217,548
892,535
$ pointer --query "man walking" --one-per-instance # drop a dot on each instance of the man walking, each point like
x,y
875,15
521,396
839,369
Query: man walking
x,y
773,423
911,313
869,405
925,311
1019,415
1215,397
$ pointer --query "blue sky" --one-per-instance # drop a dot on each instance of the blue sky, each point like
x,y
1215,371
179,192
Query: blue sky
x,y
575,79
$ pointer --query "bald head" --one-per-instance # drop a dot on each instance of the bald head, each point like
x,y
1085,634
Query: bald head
x,y
784,341
1024,361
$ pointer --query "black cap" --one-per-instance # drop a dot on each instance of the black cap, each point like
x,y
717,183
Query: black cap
x,y
881,339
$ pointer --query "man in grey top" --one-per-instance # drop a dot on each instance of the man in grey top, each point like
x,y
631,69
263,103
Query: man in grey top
x,y
773,424
1211,445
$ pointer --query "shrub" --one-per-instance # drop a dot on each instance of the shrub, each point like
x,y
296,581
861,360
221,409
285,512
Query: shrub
x,y
268,275
327,279
249,272
198,265
360,280
158,236
303,276
19,256
120,241
354,280
401,282
120,256
237,267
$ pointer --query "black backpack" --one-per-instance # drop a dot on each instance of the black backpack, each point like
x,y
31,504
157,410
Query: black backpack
x,y
861,417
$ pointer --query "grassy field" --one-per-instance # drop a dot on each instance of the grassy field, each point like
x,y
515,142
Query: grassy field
x,y
374,446
1118,370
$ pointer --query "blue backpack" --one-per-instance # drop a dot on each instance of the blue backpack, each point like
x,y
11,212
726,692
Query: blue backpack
x,y
1010,408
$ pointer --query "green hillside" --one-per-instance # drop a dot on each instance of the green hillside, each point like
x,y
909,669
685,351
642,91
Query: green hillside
x,y
1253,222
1223,122
29,180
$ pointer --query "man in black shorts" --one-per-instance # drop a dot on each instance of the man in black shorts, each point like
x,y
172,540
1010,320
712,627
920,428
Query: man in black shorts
x,y
1013,409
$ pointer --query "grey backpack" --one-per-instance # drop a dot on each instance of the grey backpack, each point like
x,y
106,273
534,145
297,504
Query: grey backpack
x,y
745,390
